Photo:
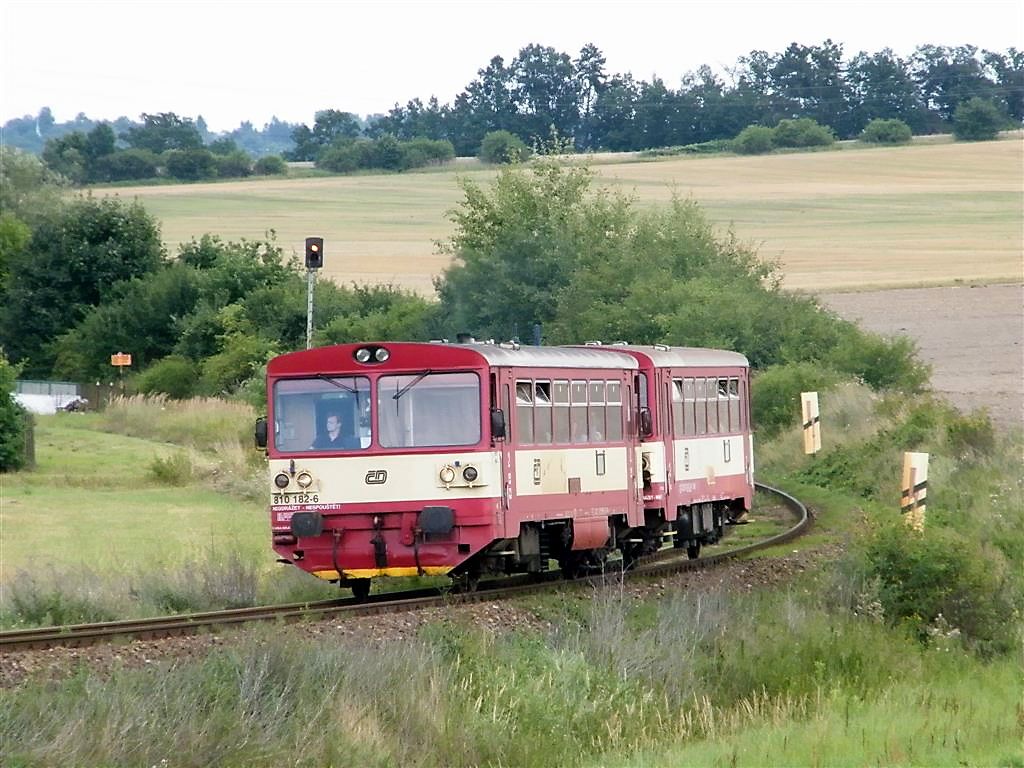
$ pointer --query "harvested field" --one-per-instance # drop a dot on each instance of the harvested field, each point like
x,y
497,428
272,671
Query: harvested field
x,y
972,336
928,213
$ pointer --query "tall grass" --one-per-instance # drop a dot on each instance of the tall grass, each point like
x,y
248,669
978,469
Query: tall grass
x,y
741,681
203,423
216,436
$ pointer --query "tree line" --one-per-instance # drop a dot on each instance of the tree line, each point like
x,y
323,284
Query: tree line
x,y
543,91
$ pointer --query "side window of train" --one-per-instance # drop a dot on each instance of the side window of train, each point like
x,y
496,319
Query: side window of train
x,y
578,411
734,405
613,393
689,406
678,428
711,389
723,406
524,411
700,407
598,430
542,411
561,410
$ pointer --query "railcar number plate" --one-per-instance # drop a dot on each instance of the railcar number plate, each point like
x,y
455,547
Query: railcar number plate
x,y
296,498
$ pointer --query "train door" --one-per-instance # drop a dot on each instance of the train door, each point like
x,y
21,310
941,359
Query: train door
x,y
504,398
666,398
631,433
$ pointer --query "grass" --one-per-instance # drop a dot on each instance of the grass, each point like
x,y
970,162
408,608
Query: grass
x,y
928,213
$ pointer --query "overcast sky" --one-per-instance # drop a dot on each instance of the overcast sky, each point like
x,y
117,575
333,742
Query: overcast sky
x,y
235,61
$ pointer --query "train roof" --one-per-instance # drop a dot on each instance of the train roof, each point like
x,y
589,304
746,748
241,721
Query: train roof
x,y
662,356
420,355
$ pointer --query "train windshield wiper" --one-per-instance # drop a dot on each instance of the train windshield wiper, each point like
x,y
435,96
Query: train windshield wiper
x,y
411,384
336,382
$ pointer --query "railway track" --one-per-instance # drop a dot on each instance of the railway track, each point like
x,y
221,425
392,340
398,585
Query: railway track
x,y
664,563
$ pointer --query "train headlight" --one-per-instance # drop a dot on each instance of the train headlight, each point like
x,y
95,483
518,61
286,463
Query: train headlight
x,y
447,475
381,355
363,355
304,480
469,474
281,480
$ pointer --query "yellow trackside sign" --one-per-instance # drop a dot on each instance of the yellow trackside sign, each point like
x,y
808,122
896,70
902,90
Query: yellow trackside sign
x,y
811,422
121,359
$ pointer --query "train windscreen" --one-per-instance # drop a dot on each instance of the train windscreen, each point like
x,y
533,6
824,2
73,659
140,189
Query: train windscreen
x,y
428,409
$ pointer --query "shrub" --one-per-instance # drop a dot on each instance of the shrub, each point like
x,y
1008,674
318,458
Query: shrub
x,y
971,435
271,165
940,578
775,393
977,120
129,164
880,131
420,152
191,164
754,140
174,376
803,132
503,147
12,420
175,470
237,164
344,158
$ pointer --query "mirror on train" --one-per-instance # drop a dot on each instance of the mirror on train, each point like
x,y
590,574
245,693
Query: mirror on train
x,y
261,432
646,426
497,424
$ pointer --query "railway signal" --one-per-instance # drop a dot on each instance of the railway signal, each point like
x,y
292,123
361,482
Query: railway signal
x,y
314,252
314,261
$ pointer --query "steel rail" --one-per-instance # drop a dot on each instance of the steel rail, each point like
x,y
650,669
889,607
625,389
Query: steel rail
x,y
663,563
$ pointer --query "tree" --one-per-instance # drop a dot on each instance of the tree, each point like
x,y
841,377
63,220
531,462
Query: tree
x,y
513,249
881,86
754,140
978,120
161,132
74,260
503,147
12,420
191,164
948,76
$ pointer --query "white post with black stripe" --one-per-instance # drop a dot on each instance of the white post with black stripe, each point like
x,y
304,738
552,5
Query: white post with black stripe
x,y
811,422
915,489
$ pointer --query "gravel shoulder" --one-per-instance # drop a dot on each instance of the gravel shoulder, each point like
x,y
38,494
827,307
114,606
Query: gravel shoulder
x,y
972,336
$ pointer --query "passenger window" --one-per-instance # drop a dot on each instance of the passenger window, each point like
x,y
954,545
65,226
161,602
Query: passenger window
x,y
677,407
578,411
723,406
542,411
613,393
561,409
689,408
524,411
700,407
598,430
711,388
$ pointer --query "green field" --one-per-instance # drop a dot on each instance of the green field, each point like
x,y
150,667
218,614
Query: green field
x,y
929,213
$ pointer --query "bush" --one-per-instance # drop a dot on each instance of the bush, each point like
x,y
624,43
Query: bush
x,y
129,164
880,131
754,140
977,120
175,470
344,158
775,393
12,421
503,147
174,376
271,165
191,164
420,152
939,578
803,132
235,165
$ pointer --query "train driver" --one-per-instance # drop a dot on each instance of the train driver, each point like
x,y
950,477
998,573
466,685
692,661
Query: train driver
x,y
333,437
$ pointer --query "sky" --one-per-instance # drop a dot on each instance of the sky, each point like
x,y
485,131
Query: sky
x,y
232,61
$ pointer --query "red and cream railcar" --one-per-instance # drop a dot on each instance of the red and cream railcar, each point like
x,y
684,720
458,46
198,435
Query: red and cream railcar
x,y
457,459
696,448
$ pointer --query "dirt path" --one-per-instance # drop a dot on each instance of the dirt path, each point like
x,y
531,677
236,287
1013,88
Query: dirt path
x,y
972,336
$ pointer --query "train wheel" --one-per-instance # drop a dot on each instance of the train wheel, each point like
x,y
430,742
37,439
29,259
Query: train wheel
x,y
360,588
693,551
